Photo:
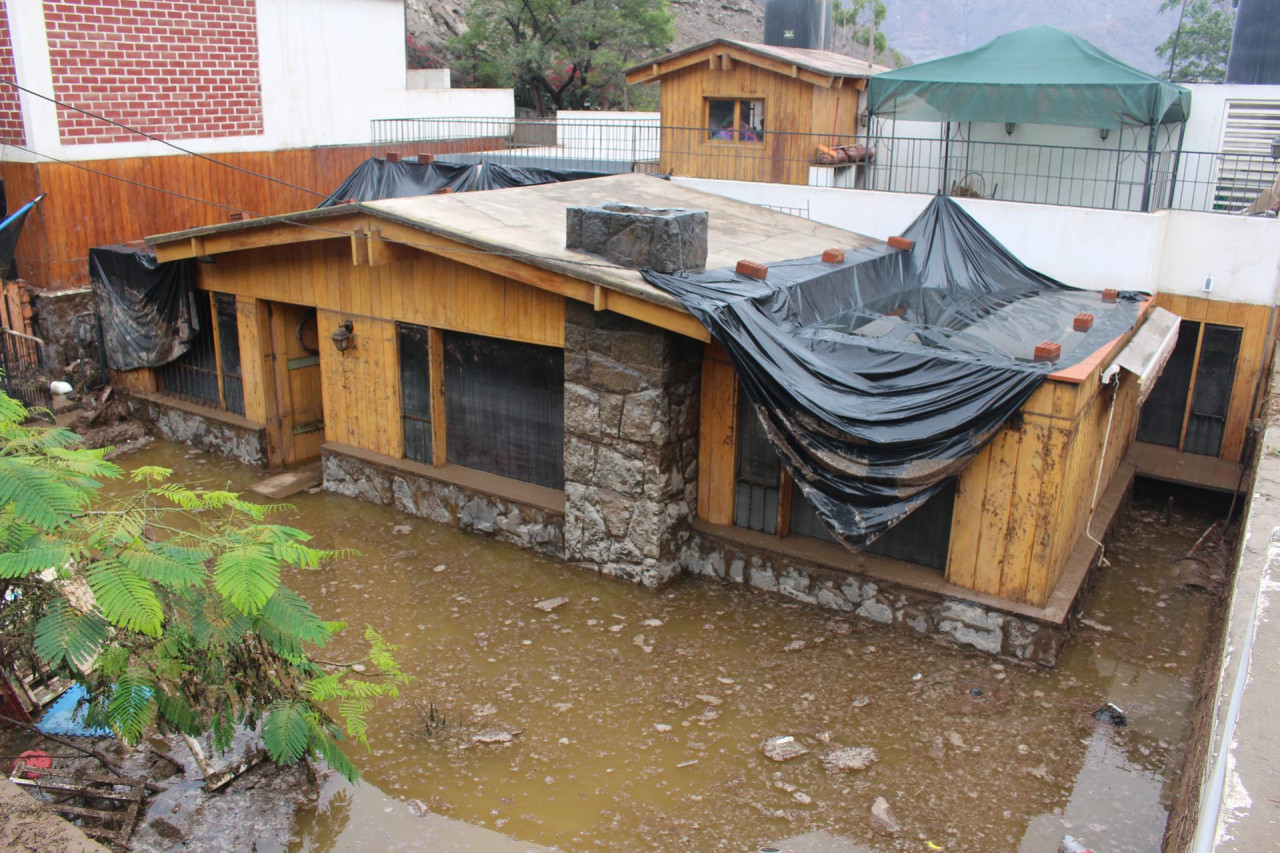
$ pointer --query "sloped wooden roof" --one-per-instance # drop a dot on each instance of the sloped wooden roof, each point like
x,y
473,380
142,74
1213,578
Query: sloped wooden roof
x,y
819,67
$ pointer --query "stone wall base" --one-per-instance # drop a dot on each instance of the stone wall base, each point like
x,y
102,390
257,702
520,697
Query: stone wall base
x,y
469,510
209,432
920,613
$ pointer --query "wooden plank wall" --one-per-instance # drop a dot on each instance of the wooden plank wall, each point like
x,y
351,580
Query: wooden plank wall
x,y
84,209
789,104
1252,362
15,307
1022,504
360,388
717,436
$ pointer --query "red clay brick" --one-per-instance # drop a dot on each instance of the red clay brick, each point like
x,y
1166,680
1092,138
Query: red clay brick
x,y
1110,295
1083,322
753,269
901,243
1048,351
833,256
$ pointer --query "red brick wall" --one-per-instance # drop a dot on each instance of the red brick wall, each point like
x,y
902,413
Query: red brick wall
x,y
178,69
11,129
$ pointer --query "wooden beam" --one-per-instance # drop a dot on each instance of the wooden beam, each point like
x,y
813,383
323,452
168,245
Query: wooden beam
x,y
435,357
726,62
709,54
600,299
382,251
680,322
360,249
255,237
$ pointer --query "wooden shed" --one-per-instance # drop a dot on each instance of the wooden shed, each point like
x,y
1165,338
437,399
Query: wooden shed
x,y
448,355
755,112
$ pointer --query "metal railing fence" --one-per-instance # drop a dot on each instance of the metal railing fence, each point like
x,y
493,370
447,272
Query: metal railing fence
x,y
22,370
1097,177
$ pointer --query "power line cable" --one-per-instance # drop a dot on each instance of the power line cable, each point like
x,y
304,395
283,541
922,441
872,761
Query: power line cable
x,y
15,84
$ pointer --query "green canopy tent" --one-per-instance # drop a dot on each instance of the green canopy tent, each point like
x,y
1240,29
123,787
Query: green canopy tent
x,y
1039,75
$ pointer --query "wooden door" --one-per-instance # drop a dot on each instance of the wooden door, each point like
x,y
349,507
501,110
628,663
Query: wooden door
x,y
297,424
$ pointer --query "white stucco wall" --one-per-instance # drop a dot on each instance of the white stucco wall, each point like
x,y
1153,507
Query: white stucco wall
x,y
1169,251
328,67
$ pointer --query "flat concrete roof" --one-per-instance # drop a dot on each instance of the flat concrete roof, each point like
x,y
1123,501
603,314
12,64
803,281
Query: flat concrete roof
x,y
528,225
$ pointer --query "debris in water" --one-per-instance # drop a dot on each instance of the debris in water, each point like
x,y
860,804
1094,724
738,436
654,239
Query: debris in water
x,y
917,677
794,646
850,758
495,735
1039,771
802,798
782,748
550,604
975,691
724,679
486,710
1110,713
661,727
956,740
652,623
440,568
1068,844
861,701
402,529
687,763
1097,626
882,819
709,699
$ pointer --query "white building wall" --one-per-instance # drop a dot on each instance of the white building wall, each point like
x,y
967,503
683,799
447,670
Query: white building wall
x,y
328,67
1170,251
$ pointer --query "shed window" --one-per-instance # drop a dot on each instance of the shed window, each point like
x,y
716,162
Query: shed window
x,y
415,390
757,485
735,120
504,407
229,345
194,375
1202,370
768,500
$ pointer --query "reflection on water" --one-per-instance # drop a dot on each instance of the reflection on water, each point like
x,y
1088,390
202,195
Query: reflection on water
x,y
636,719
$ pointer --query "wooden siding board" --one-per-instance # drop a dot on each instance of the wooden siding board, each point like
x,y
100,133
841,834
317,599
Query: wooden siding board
x,y
717,440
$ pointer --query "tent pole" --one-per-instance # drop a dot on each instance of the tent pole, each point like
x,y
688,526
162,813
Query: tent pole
x,y
946,156
1146,178
1177,163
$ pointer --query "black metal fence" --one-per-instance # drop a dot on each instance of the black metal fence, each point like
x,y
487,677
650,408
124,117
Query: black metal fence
x,y
22,370
1111,178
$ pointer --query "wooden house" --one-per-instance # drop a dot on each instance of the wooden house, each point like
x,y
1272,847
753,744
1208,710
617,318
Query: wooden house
x,y
449,356
754,112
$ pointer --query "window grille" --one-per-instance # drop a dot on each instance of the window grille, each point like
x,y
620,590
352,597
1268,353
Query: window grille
x,y
504,407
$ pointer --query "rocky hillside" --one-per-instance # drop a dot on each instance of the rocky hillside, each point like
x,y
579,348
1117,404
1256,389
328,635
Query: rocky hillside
x,y
920,29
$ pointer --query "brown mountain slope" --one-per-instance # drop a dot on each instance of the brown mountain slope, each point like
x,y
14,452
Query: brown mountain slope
x,y
920,29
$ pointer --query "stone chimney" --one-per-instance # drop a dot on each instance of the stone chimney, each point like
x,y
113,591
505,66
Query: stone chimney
x,y
663,239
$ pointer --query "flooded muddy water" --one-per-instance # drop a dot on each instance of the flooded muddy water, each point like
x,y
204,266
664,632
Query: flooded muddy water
x,y
636,719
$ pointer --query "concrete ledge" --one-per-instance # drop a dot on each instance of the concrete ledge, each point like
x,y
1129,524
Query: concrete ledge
x,y
1240,781
1172,465
904,595
520,514
208,429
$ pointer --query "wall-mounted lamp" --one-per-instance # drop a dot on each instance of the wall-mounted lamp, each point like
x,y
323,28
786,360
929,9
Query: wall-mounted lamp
x,y
1008,128
1104,132
344,338
864,118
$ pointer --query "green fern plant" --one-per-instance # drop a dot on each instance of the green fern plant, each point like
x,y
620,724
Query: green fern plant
x,y
167,603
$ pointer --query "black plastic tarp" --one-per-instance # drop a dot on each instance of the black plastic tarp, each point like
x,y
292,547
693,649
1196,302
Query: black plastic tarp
x,y
879,377
376,179
11,230
145,306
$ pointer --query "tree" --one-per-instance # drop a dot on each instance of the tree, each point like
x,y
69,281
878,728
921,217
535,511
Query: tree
x,y
166,603
1198,47
566,54
847,13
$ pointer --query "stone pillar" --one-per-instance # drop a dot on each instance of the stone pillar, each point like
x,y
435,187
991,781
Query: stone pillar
x,y
631,444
